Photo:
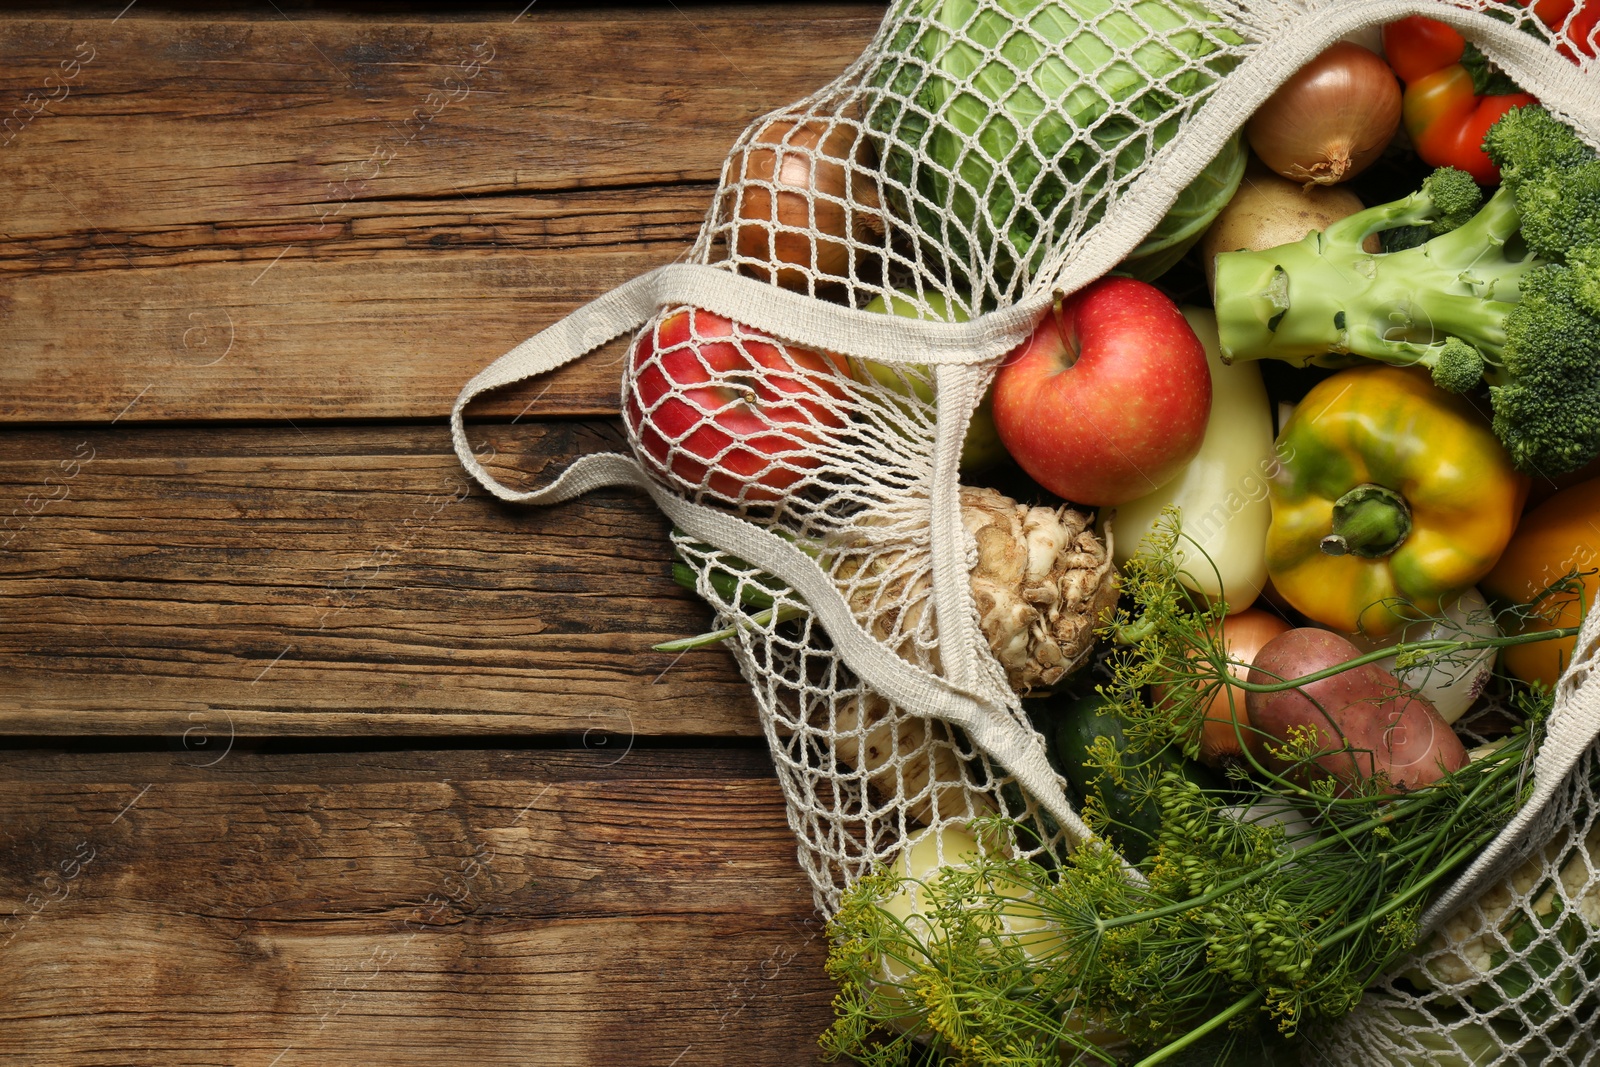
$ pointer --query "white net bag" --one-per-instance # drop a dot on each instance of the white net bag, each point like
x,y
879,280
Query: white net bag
x,y
980,158
1511,973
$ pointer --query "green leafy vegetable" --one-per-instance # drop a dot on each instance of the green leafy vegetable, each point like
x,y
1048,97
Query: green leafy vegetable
x,y
1062,101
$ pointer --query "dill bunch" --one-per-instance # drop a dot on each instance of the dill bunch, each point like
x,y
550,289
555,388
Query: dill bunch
x,y
1239,928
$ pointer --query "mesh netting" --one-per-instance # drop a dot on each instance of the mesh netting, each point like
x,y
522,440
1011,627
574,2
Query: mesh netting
x,y
1511,972
803,391
1513,976
1001,133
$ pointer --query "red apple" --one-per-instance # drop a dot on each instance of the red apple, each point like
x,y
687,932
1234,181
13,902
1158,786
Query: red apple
x,y
718,407
1109,397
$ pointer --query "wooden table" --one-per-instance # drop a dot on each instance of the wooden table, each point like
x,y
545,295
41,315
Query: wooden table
x,y
316,754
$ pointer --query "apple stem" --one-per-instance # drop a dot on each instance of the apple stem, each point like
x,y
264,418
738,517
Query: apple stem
x,y
1071,347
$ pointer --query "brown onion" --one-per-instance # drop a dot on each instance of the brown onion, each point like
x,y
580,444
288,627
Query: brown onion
x,y
1243,635
807,233
1331,119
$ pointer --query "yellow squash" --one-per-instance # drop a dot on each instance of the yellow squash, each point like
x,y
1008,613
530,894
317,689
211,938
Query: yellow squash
x,y
1221,494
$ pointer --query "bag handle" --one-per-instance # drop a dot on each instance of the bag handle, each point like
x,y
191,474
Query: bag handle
x,y
789,315
792,316
622,309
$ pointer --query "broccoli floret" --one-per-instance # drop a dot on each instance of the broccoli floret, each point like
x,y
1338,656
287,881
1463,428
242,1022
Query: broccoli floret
x,y
1452,197
1585,286
1456,199
1528,142
1546,395
1459,366
1558,210
1507,292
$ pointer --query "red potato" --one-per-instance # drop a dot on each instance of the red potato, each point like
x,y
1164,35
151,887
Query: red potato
x,y
1365,722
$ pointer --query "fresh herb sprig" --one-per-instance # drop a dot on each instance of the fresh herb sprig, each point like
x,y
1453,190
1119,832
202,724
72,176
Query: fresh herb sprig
x,y
1237,926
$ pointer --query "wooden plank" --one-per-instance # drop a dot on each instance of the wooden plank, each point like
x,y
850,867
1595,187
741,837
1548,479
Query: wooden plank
x,y
404,909
339,580
327,217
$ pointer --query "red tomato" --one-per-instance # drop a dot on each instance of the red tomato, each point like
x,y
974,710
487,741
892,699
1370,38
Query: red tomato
x,y
1579,30
1447,121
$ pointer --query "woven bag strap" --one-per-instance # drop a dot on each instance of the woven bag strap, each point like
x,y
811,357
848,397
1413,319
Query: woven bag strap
x,y
1571,732
791,316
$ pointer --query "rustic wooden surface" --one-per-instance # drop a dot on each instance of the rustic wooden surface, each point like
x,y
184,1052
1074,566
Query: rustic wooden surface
x,y
316,754
342,580
313,217
403,908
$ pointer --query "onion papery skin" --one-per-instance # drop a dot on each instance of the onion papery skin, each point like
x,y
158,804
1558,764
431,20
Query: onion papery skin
x,y
806,198
1331,120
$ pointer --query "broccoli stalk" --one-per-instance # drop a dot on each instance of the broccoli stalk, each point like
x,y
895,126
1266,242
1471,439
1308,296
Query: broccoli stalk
x,y
1507,292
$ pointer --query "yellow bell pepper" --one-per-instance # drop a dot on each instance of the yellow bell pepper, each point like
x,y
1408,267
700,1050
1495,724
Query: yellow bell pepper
x,y
1393,497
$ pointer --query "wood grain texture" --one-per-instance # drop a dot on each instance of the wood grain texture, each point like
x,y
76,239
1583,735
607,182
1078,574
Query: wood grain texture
x,y
338,580
320,217
405,909
216,222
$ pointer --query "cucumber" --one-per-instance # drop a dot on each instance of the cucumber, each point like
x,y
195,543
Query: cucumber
x,y
1134,825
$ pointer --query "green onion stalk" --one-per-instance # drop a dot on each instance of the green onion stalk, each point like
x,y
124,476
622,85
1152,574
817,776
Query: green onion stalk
x,y
765,611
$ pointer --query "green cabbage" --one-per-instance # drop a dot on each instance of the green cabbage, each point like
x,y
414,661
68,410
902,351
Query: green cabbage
x,y
1062,100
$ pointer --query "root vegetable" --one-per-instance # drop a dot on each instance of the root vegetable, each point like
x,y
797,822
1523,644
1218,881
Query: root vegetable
x,y
1243,636
1361,723
1041,582
928,854
1331,120
805,194
1269,210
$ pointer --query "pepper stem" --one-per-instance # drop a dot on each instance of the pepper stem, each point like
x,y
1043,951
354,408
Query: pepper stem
x,y
1369,521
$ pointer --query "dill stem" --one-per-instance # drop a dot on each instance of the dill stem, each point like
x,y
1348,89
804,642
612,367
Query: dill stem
x,y
1399,899
1395,812
1243,1004
1495,778
1437,644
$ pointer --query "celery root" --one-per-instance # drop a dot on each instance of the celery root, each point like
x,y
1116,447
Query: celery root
x,y
1040,583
